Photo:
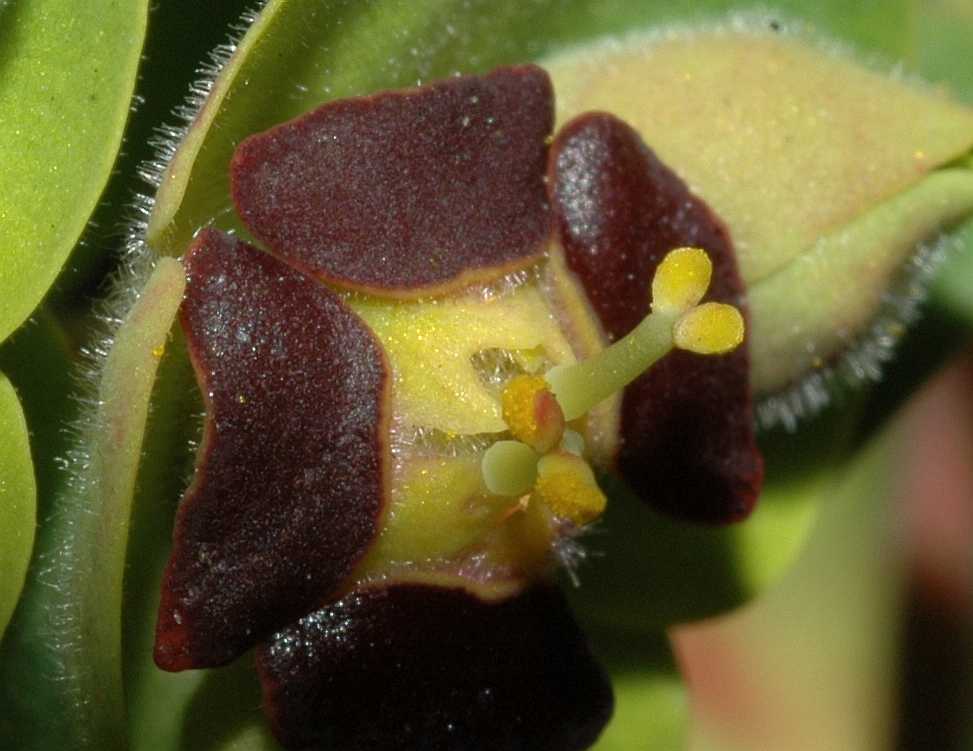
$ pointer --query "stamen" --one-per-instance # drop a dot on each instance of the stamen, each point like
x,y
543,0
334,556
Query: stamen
x,y
679,284
567,486
509,468
532,413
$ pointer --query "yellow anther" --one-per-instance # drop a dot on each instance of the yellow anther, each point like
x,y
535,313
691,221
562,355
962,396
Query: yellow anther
x,y
158,351
566,485
710,329
681,280
532,413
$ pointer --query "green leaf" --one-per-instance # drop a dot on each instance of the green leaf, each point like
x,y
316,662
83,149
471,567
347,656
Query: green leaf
x,y
38,360
939,34
18,497
833,291
67,71
942,38
180,35
124,392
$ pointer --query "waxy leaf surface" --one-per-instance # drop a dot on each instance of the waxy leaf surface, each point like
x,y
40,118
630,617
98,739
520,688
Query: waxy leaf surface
x,y
291,476
67,72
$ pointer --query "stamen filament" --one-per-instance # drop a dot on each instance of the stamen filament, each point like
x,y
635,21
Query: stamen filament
x,y
581,386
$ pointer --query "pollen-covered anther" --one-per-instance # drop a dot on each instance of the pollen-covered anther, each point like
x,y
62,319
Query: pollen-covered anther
x,y
567,486
676,320
709,329
681,280
532,413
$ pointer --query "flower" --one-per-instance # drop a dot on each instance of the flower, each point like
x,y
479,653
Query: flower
x,y
389,555
733,107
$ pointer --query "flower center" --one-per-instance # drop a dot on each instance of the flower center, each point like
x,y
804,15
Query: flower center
x,y
544,465
493,514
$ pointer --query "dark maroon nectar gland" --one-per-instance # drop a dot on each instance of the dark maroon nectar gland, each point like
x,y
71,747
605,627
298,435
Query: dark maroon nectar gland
x,y
290,479
691,453
407,193
414,667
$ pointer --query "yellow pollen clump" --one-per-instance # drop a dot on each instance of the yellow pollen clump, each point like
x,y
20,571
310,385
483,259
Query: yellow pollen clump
x,y
532,412
710,329
681,280
567,486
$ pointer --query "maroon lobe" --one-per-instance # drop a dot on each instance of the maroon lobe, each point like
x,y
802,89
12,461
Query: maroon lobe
x,y
408,667
688,443
290,479
408,192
